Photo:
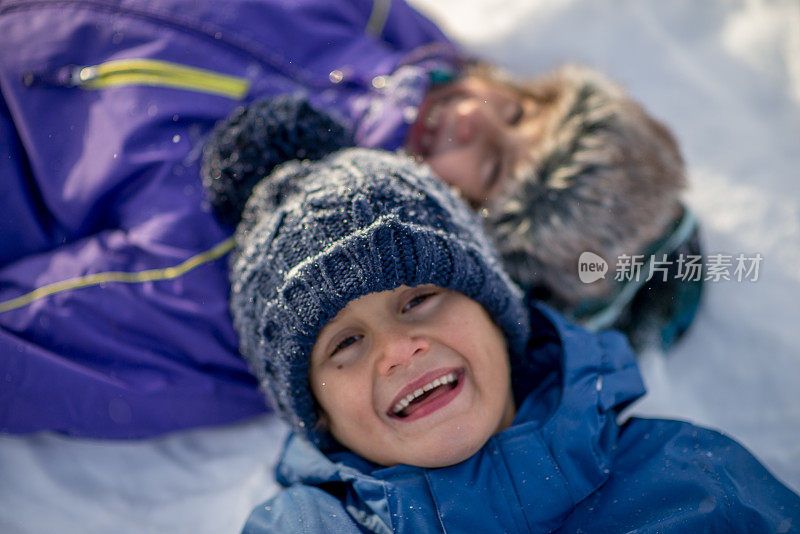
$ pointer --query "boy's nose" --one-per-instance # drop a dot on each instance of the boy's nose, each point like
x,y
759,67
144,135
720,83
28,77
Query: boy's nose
x,y
397,348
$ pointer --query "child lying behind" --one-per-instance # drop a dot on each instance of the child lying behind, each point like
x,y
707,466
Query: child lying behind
x,y
424,393
558,165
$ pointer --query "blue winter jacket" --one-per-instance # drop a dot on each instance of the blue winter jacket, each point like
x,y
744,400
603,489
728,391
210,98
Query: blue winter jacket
x,y
113,285
564,465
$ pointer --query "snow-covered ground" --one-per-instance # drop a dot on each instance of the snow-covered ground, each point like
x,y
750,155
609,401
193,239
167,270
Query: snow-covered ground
x,y
725,76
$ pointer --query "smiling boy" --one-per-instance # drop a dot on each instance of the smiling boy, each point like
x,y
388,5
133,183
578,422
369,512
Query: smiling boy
x,y
413,375
425,395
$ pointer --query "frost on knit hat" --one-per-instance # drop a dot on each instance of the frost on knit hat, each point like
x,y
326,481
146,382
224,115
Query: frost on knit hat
x,y
317,235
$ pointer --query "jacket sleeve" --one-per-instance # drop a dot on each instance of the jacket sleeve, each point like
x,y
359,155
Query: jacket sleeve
x,y
123,332
121,357
671,476
301,509
113,280
751,498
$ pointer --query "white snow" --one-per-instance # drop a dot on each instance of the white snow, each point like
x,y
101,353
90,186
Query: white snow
x,y
725,76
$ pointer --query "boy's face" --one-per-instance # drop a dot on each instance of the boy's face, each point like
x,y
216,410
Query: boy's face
x,y
475,134
417,376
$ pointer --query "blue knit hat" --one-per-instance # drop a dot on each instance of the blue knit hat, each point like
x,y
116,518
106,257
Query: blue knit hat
x,y
317,235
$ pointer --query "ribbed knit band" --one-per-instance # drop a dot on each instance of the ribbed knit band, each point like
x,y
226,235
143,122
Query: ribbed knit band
x,y
316,236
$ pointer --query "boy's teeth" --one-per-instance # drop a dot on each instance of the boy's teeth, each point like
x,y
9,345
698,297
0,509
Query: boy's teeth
x,y
441,381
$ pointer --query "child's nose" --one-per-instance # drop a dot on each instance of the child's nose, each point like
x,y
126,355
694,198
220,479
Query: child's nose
x,y
468,121
397,348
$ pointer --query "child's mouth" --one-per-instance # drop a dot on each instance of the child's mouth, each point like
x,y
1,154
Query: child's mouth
x,y
424,396
425,131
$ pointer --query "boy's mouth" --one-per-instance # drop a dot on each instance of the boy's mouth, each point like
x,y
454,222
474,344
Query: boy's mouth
x,y
424,396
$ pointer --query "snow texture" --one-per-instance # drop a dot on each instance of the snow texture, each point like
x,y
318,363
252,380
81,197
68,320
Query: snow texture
x,y
725,76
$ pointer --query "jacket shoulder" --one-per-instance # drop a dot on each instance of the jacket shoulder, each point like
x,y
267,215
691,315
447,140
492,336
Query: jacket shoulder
x,y
672,476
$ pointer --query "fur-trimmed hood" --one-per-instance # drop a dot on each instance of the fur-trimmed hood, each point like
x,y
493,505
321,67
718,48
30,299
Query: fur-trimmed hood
x,y
606,178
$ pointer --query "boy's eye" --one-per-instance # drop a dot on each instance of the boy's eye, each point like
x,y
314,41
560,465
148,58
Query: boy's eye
x,y
346,342
417,300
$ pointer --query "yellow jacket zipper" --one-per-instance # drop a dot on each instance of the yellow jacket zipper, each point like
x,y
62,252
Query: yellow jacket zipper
x,y
158,73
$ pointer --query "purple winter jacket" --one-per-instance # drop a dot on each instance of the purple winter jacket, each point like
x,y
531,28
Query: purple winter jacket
x,y
113,281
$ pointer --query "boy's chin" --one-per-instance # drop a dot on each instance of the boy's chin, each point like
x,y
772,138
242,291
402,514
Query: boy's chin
x,y
442,455
449,458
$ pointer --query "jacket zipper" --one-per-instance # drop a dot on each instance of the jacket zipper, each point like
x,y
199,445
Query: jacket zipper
x,y
149,72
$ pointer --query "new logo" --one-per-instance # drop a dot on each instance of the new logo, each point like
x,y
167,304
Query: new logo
x,y
591,267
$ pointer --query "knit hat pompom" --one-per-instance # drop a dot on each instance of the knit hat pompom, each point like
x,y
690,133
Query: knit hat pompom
x,y
245,147
317,235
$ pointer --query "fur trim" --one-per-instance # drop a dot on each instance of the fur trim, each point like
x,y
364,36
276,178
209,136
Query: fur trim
x,y
606,178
